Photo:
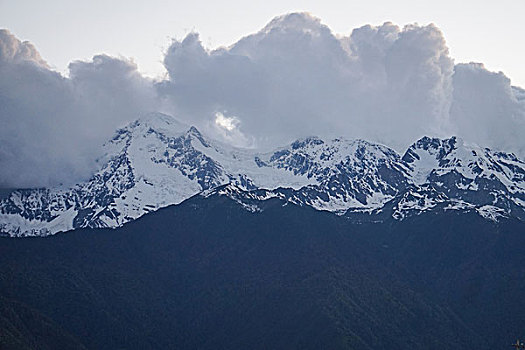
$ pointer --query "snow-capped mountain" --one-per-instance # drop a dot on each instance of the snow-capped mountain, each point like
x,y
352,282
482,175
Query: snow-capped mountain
x,y
157,161
470,175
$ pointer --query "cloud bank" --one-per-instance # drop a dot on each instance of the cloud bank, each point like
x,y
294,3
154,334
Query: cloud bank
x,y
294,78
52,127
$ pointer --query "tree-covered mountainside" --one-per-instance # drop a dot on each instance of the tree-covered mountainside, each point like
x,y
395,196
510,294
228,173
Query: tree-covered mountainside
x,y
209,274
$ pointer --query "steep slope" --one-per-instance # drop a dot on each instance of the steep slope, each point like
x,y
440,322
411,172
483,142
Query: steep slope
x,y
472,264
152,163
493,183
209,274
348,174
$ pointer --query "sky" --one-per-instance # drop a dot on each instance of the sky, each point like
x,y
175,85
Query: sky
x,y
67,30
253,75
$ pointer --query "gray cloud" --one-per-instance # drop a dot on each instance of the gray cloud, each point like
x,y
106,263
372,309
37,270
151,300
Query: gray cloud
x,y
52,126
293,78
486,109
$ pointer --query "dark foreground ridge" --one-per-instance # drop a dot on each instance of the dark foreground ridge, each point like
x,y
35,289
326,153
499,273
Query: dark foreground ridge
x,y
209,274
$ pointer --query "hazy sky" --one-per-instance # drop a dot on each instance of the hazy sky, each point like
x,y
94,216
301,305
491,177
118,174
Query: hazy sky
x,y
65,30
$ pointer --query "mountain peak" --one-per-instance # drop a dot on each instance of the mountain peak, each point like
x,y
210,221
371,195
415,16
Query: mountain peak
x,y
433,146
159,122
158,161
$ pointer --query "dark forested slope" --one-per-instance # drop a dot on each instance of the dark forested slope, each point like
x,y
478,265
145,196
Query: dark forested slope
x,y
209,274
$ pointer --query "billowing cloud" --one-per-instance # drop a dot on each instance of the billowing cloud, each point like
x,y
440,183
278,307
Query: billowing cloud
x,y
296,78
52,126
293,78
486,110
109,92
13,50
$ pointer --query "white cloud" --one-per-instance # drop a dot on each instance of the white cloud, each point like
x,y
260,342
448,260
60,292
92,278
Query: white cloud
x,y
293,78
13,50
228,123
228,128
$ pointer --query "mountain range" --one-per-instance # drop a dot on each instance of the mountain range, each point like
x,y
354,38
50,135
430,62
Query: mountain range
x,y
181,241
158,161
209,274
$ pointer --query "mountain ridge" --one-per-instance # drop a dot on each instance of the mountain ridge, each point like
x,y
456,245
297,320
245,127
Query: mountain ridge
x,y
157,161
